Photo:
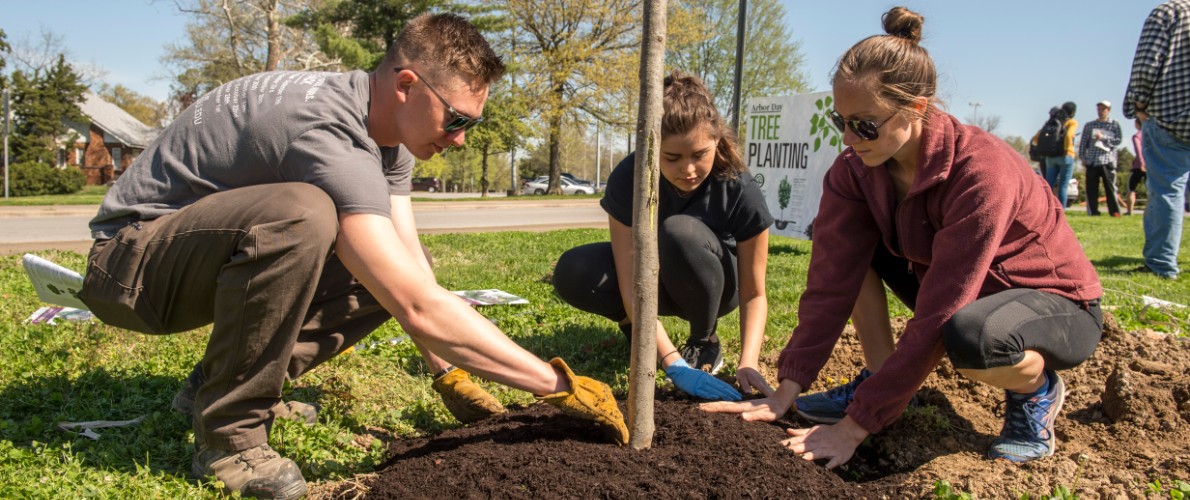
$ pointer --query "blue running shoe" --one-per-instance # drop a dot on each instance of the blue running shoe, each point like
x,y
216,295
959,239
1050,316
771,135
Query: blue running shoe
x,y
830,406
1028,432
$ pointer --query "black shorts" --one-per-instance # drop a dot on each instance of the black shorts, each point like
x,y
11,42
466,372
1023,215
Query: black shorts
x,y
996,330
1134,180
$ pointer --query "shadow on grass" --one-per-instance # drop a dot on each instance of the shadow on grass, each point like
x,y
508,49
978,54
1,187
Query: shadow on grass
x,y
1118,263
787,249
31,410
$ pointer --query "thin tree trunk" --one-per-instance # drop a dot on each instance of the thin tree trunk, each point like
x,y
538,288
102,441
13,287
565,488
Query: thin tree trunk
x,y
555,183
644,229
483,180
273,23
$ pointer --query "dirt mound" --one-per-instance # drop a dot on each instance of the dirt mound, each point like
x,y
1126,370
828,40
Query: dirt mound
x,y
1126,422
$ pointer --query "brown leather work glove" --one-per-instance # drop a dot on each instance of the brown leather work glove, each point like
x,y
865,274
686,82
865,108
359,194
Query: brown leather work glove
x,y
465,399
589,399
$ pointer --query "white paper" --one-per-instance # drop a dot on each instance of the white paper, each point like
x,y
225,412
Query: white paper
x,y
47,315
1101,145
54,284
489,297
88,428
1156,302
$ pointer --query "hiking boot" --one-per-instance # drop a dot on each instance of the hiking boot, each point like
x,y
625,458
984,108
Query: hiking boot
x,y
298,411
1028,432
830,406
705,355
258,472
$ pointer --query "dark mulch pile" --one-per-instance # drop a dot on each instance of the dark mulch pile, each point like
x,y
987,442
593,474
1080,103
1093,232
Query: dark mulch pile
x,y
1126,422
537,452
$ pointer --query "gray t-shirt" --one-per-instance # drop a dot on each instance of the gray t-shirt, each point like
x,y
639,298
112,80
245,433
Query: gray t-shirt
x,y
273,127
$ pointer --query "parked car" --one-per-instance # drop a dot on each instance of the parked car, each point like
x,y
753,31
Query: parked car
x,y
541,184
430,184
576,180
1072,192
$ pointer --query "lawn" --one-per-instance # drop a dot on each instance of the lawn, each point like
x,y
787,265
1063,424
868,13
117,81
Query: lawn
x,y
83,372
90,195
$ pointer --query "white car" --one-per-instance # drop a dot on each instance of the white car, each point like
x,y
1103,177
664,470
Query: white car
x,y
541,184
1072,192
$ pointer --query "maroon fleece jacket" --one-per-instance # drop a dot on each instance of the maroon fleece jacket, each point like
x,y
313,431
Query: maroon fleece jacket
x,y
976,221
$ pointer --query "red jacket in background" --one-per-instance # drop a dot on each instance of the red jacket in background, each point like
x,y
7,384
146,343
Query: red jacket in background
x,y
976,221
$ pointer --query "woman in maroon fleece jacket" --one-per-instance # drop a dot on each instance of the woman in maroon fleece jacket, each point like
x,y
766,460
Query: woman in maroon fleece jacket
x,y
963,231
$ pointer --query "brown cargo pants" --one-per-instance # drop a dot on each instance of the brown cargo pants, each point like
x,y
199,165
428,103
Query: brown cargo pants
x,y
257,262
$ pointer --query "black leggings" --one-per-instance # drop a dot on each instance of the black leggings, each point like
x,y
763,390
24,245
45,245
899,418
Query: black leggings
x,y
996,330
697,277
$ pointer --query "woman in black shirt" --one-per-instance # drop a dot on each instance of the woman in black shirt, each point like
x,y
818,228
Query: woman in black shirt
x,y
712,246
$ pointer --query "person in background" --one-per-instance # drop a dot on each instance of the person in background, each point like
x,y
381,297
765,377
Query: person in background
x,y
277,208
712,244
954,221
1137,174
1159,96
1059,169
1097,150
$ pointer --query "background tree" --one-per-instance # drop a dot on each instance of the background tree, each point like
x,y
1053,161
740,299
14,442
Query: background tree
x,y
356,33
41,102
989,123
502,127
4,49
227,39
1020,144
703,42
142,107
570,51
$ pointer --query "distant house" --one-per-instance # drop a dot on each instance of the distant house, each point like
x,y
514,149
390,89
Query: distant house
x,y
105,147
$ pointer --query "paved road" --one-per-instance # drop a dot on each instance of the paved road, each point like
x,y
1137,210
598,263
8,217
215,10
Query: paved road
x,y
24,229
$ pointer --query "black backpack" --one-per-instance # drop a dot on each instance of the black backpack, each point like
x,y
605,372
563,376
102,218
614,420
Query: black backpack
x,y
1051,140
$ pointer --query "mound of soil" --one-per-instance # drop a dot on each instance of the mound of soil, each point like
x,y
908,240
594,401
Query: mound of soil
x,y
1126,421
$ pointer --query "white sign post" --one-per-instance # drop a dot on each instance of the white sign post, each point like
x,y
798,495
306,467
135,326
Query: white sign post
x,y
790,145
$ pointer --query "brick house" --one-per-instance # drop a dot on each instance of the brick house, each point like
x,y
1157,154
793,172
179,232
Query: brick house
x,y
105,147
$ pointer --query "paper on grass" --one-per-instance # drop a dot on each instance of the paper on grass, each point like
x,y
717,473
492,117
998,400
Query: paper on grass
x,y
1156,302
54,284
47,315
87,429
489,297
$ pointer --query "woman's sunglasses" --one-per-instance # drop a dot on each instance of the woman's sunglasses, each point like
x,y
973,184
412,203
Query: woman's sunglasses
x,y
458,121
865,129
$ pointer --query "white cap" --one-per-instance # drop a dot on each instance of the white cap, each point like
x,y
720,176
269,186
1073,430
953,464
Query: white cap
x,y
1106,104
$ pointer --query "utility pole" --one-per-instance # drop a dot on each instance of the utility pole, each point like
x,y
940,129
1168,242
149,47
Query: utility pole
x,y
598,153
7,120
741,24
975,112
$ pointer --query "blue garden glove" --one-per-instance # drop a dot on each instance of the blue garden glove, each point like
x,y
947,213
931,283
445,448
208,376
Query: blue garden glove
x,y
700,384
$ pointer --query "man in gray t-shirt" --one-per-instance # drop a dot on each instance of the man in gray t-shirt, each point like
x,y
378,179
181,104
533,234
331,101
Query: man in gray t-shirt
x,y
276,208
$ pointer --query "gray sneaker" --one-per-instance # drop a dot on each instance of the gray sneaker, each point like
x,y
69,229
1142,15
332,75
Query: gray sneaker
x,y
298,411
258,472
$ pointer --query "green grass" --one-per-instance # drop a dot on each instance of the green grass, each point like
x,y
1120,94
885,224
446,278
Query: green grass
x,y
81,372
90,195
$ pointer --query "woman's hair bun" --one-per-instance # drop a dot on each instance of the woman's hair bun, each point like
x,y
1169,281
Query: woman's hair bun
x,y
903,23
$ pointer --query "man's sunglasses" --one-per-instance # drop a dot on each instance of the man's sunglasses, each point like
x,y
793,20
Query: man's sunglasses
x,y
458,121
865,129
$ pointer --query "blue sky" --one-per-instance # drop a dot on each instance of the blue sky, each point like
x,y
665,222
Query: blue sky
x,y
1016,58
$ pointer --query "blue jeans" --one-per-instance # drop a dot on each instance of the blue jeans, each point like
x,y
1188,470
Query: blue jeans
x,y
1167,160
1058,170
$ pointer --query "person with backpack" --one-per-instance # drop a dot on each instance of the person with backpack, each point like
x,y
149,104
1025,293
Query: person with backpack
x,y
954,221
1055,142
1097,150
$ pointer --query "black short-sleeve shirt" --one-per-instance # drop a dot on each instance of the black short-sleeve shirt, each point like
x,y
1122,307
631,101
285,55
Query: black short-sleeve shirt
x,y
734,209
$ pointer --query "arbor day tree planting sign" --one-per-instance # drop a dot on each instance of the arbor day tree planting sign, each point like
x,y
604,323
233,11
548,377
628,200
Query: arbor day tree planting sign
x,y
790,145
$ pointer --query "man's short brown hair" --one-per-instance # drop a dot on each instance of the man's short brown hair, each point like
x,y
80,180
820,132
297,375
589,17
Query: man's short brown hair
x,y
445,43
